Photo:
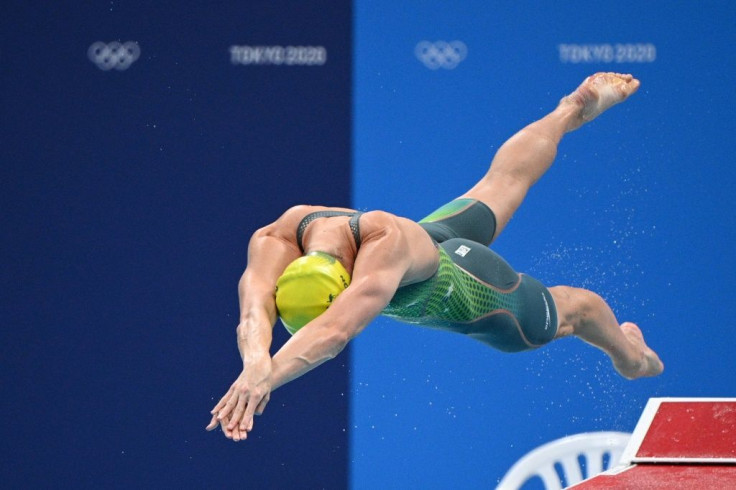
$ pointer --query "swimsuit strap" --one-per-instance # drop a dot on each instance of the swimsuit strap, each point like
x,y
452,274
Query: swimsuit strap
x,y
355,228
354,224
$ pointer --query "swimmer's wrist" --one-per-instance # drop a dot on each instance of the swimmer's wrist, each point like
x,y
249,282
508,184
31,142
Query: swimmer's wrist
x,y
255,358
253,342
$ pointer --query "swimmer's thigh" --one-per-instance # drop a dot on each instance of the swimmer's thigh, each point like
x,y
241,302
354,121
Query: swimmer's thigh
x,y
462,218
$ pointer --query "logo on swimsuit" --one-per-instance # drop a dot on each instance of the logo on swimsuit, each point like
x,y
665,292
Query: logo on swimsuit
x,y
441,54
462,250
548,320
113,55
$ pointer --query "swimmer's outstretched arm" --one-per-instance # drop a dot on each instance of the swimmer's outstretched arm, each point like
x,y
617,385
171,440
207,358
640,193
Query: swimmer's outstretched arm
x,y
268,254
386,257
327,335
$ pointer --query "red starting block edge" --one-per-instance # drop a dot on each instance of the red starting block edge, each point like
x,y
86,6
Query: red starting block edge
x,y
684,430
688,441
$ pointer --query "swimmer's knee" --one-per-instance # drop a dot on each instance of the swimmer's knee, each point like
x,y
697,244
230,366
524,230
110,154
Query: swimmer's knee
x,y
574,307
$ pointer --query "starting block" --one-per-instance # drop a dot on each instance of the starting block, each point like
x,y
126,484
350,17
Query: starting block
x,y
678,443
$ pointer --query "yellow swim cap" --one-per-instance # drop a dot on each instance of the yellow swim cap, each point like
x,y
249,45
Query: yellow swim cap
x,y
308,287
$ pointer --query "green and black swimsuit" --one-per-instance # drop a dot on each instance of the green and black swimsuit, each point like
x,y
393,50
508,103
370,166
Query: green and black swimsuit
x,y
474,291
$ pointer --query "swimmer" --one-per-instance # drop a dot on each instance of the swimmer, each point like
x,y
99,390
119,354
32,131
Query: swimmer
x,y
437,273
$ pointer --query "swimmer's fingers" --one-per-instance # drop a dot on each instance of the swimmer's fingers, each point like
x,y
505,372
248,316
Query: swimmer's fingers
x,y
262,406
216,418
237,414
256,405
236,434
222,402
246,423
232,402
223,425
213,423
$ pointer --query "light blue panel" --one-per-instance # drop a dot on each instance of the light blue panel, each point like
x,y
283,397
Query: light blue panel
x,y
638,207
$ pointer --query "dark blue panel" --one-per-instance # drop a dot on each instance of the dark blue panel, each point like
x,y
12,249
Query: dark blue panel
x,y
128,197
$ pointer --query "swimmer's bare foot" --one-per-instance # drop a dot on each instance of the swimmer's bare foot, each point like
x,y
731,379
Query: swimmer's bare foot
x,y
647,362
597,93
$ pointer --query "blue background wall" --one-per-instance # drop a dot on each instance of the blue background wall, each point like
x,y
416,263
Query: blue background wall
x,y
637,207
128,197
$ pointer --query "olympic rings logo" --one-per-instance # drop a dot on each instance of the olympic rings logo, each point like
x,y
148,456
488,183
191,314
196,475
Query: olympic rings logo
x,y
113,55
441,54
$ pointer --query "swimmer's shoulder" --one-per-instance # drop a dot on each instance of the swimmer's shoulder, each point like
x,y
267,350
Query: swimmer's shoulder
x,y
403,239
378,222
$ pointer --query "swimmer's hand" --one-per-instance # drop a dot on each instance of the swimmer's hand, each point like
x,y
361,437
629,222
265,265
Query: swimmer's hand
x,y
247,397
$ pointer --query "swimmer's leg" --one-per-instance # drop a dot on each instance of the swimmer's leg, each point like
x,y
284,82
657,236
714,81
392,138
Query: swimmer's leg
x,y
527,155
586,315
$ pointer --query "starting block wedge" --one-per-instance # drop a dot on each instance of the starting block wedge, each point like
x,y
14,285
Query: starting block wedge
x,y
677,443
